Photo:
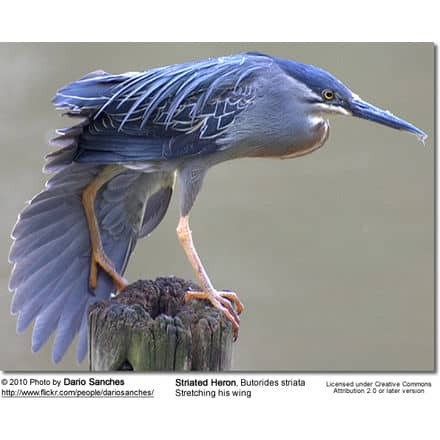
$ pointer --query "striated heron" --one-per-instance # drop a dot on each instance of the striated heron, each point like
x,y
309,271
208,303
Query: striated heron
x,y
115,168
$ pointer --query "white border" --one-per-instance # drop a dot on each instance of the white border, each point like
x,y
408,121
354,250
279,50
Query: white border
x,y
311,415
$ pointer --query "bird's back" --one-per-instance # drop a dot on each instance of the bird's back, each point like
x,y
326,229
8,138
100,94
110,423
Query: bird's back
x,y
164,113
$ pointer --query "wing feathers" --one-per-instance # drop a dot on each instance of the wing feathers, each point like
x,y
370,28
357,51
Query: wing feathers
x,y
166,86
51,251
47,320
32,240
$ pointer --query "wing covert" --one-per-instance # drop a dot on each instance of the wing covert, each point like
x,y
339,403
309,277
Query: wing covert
x,y
181,108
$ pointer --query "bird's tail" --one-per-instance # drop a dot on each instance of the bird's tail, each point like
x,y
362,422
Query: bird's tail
x,y
51,248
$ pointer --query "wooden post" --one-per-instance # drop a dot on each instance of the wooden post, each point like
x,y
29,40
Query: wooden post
x,y
148,327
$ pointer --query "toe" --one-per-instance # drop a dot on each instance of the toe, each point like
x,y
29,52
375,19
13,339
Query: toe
x,y
227,305
232,296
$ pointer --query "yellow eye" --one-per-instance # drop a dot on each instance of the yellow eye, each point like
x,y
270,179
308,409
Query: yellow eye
x,y
328,94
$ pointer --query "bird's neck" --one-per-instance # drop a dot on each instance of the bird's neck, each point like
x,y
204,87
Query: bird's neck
x,y
319,133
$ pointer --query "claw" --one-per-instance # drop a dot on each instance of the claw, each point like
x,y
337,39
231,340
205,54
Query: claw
x,y
222,300
232,296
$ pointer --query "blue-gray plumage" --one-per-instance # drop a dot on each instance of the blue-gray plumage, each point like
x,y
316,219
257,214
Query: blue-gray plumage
x,y
115,171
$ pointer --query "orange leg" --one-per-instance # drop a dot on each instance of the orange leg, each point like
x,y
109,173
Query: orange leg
x,y
219,299
98,256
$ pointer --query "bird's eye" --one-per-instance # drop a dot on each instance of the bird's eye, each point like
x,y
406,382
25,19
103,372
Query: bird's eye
x,y
328,94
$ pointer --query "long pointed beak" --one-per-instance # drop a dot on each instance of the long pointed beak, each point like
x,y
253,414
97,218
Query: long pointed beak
x,y
363,109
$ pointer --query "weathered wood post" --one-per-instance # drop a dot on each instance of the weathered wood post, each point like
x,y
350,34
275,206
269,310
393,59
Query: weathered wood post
x,y
148,327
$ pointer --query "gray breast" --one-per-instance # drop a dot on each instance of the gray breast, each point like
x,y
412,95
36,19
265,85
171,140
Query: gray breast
x,y
298,146
320,134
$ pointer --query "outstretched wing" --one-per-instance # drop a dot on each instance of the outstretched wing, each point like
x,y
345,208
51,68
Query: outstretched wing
x,y
51,248
161,113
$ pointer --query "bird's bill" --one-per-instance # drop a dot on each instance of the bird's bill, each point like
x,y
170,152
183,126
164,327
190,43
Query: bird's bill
x,y
363,109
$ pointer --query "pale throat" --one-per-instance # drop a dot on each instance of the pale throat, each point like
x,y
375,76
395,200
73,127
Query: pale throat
x,y
326,110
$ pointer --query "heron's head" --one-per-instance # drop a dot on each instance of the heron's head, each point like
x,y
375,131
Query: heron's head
x,y
324,94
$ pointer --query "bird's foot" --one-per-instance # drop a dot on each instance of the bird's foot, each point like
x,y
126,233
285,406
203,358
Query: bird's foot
x,y
99,258
221,300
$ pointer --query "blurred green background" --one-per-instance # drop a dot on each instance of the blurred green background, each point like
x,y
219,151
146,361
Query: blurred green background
x,y
332,253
